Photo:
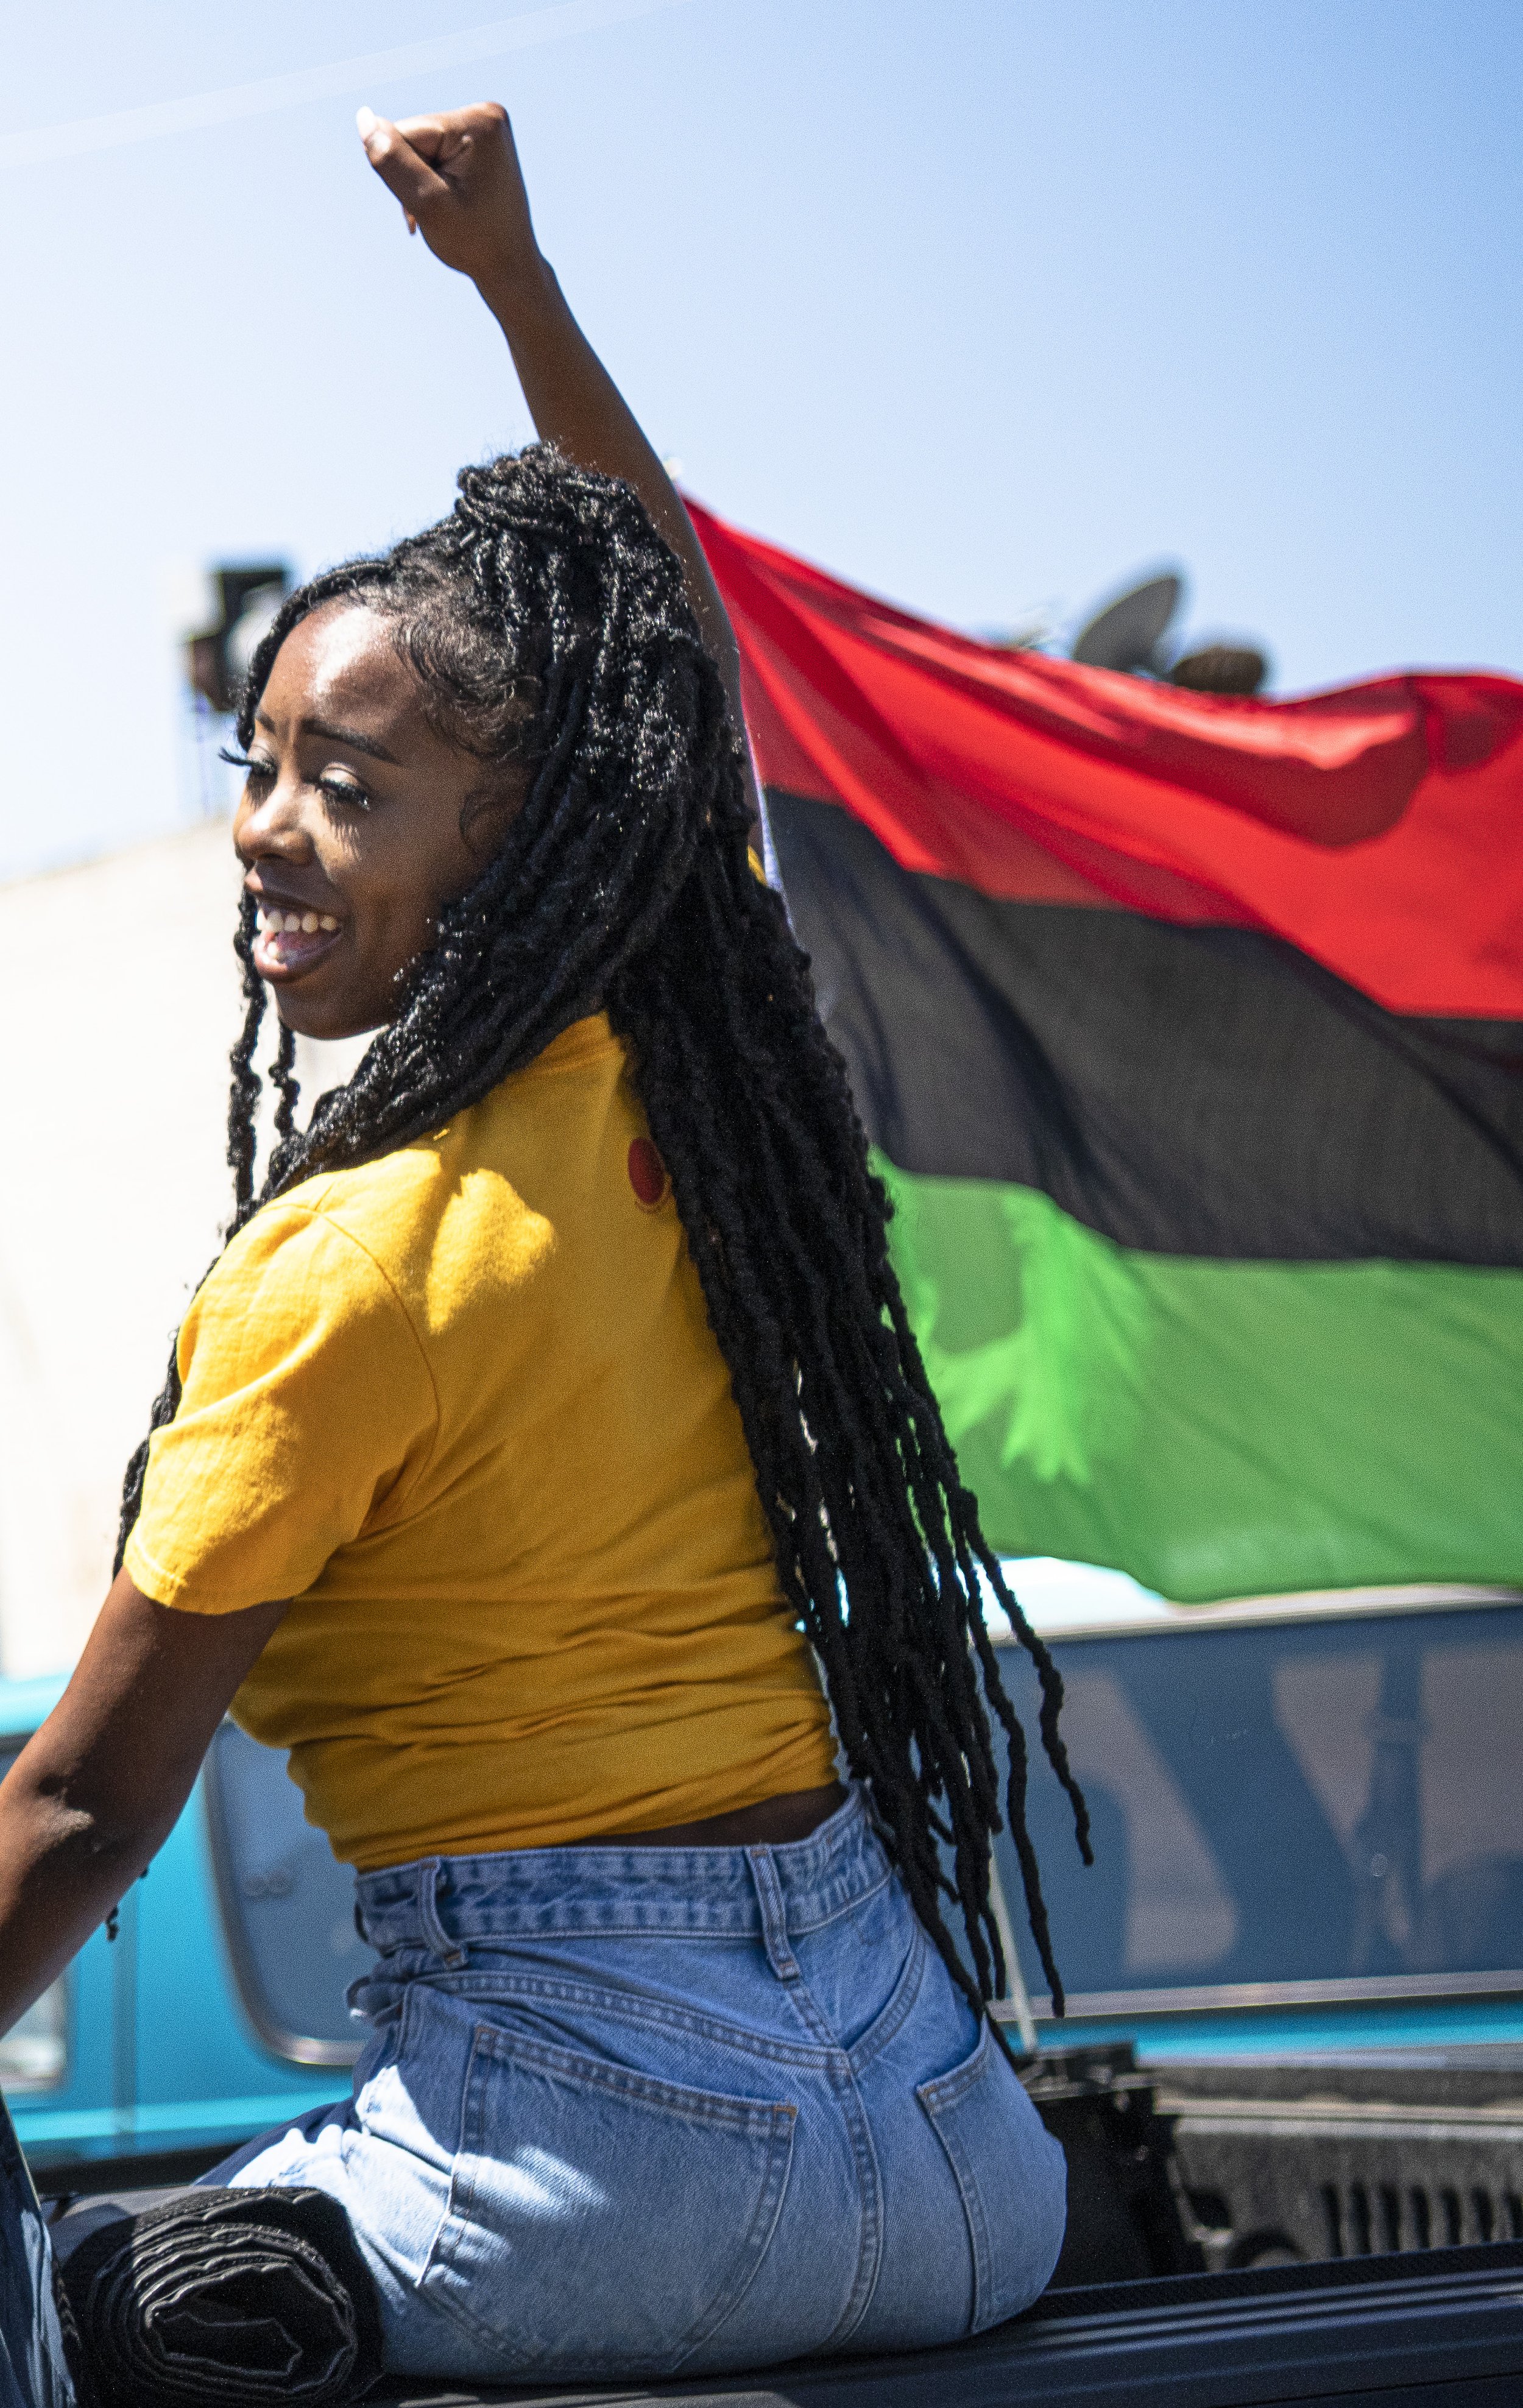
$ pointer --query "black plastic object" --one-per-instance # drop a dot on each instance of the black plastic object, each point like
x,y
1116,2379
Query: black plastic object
x,y
63,2180
1221,669
1379,2334
221,2298
247,598
1126,2217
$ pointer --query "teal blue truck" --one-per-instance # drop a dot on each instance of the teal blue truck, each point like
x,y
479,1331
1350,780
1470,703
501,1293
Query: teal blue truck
x,y
1295,1972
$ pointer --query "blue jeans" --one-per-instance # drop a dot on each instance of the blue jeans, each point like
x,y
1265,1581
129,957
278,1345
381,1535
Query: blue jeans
x,y
628,2110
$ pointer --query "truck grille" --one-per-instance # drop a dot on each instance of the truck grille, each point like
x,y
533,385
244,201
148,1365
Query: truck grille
x,y
1268,2181
1365,2221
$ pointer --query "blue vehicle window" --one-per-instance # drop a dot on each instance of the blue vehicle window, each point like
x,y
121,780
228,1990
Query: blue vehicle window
x,y
1329,1801
288,1905
35,2053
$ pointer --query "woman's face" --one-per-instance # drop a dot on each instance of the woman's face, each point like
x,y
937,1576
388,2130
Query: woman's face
x,y
358,820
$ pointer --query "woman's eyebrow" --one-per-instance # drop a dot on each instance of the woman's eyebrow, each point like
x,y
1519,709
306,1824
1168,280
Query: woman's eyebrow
x,y
347,735
356,742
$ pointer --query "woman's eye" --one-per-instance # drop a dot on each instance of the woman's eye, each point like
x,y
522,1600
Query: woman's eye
x,y
337,784
255,767
341,789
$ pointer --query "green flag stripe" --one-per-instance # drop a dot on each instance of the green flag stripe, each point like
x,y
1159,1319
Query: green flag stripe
x,y
1216,1428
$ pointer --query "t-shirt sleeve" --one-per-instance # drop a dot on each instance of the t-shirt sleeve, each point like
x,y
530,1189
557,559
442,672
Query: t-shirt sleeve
x,y
307,1408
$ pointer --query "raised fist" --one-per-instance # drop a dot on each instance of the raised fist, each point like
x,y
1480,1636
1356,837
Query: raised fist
x,y
458,180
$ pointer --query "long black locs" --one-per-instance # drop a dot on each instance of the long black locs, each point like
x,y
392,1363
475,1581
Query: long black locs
x,y
547,625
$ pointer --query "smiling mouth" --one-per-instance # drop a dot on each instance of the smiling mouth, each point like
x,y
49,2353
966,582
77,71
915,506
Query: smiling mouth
x,y
291,943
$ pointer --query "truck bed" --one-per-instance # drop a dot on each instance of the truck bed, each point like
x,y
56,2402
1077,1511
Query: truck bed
x,y
1443,2329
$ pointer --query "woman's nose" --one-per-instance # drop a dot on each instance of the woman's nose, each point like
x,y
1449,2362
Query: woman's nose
x,y
273,823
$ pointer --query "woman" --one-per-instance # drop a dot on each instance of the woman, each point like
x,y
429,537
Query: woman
x,y
549,1422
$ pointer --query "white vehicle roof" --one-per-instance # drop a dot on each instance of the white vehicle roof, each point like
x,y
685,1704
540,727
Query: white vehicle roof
x,y
1063,1601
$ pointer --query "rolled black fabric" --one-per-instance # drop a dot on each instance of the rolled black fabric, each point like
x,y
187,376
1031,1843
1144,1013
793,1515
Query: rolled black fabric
x,y
225,2299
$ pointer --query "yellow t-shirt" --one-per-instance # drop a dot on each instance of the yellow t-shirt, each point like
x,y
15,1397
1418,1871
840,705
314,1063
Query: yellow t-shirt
x,y
464,1405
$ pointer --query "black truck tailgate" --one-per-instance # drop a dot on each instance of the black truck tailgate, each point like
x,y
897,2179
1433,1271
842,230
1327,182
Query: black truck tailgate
x,y
1444,2328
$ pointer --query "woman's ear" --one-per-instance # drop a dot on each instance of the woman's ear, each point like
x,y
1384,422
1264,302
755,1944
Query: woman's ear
x,y
489,811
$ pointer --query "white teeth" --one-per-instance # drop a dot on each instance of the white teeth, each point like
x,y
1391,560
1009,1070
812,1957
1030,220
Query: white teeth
x,y
277,922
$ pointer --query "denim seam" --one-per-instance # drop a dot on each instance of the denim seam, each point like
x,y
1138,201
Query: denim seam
x,y
757,2240
732,1918
758,2116
833,1913
402,2027
978,2230
897,2013
945,2091
505,1988
854,2115
947,2088
870,2187
462,2114
441,1942
555,1920
774,1914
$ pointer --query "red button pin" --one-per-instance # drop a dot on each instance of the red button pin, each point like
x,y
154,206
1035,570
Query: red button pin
x,y
648,1174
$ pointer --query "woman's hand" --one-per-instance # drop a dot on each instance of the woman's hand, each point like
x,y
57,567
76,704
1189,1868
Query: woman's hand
x,y
458,180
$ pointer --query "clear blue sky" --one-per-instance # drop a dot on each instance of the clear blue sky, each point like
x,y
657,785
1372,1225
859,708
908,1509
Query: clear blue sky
x,y
986,304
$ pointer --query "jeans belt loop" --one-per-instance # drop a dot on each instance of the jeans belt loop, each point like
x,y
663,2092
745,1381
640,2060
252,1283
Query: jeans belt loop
x,y
438,1939
774,1914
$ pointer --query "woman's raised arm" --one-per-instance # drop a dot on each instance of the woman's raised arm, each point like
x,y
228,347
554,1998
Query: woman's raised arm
x,y
458,180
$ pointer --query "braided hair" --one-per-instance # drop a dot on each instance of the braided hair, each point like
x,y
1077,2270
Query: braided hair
x,y
548,627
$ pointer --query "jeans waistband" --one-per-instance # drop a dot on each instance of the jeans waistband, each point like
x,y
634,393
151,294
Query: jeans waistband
x,y
723,1893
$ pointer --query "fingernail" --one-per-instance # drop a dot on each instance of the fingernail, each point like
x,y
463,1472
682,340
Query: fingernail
x,y
367,119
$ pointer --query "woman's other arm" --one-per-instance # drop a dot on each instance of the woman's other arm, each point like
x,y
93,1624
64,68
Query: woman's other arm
x,y
95,1792
458,180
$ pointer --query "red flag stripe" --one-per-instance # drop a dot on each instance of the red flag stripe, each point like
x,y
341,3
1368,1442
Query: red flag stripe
x,y
1379,827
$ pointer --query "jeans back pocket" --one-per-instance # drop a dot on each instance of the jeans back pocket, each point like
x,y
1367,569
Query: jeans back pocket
x,y
600,2217
1011,2174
